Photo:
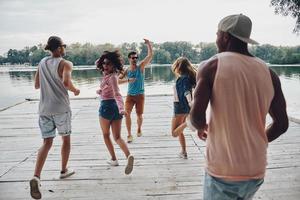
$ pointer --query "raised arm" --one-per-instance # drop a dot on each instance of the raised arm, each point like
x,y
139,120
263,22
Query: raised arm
x,y
37,79
277,111
149,56
67,77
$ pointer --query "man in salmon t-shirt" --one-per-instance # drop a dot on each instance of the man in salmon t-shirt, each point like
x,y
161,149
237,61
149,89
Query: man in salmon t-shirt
x,y
242,90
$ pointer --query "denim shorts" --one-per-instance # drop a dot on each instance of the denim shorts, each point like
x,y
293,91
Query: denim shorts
x,y
180,108
109,110
49,123
216,188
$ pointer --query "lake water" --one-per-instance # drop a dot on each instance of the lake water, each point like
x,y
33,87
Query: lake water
x,y
18,84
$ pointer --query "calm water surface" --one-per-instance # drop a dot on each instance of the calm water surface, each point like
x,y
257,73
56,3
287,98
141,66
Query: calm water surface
x,y
15,86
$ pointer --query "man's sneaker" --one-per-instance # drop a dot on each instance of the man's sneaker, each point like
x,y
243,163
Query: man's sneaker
x,y
67,173
113,162
183,155
129,139
35,185
129,166
139,134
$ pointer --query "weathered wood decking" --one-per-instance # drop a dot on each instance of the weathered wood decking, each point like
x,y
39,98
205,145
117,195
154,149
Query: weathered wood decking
x,y
158,173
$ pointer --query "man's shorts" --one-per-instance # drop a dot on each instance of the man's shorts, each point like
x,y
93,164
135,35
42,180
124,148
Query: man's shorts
x,y
49,124
109,110
137,101
216,188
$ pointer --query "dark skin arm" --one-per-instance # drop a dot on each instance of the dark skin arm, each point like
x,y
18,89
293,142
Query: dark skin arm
x,y
37,80
277,111
202,95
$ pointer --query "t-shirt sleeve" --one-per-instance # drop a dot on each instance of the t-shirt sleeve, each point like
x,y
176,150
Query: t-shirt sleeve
x,y
187,86
117,94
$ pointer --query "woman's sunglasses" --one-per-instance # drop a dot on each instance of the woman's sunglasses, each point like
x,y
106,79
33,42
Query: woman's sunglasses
x,y
106,63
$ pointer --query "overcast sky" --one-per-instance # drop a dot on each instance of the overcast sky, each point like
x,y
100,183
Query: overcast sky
x,y
29,22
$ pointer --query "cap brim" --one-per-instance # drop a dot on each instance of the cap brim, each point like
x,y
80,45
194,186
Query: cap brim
x,y
246,40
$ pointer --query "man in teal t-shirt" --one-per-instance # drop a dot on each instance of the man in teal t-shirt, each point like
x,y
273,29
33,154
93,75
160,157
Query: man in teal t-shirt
x,y
135,95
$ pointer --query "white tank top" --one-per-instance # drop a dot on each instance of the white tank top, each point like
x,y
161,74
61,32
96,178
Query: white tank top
x,y
54,98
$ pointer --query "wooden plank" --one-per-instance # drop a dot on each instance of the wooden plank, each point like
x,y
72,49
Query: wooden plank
x,y
158,172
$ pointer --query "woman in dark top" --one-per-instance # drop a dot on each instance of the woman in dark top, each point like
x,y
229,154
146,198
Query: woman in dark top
x,y
185,82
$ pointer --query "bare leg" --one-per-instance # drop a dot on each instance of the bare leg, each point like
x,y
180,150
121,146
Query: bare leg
x,y
42,155
139,122
105,125
128,122
178,125
65,152
116,131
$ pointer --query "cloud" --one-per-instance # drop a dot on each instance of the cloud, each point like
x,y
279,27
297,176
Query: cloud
x,y
31,22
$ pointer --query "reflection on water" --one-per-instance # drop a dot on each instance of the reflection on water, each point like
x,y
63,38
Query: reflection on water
x,y
16,86
289,72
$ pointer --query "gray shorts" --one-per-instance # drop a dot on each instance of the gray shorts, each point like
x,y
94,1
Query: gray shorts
x,y
49,124
216,188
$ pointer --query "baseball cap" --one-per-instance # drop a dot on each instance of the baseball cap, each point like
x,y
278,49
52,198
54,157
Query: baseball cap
x,y
239,26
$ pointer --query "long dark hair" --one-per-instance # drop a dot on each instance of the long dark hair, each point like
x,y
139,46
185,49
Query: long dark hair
x,y
114,57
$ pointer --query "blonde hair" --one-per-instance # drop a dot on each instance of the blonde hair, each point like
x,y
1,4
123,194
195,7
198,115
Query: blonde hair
x,y
182,66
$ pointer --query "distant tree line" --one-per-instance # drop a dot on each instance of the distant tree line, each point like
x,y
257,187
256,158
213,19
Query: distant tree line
x,y
164,53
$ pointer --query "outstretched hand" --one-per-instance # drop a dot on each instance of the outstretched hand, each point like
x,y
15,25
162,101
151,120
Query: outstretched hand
x,y
76,92
131,80
147,41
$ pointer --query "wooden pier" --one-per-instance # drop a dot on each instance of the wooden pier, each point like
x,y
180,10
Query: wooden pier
x,y
158,172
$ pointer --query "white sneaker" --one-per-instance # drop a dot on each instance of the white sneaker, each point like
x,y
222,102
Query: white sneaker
x,y
113,162
183,155
67,173
129,166
35,185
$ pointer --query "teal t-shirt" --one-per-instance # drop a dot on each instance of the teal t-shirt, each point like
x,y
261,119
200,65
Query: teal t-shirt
x,y
136,87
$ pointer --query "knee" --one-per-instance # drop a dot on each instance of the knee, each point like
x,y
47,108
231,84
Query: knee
x,y
105,135
48,143
117,138
128,114
174,134
140,116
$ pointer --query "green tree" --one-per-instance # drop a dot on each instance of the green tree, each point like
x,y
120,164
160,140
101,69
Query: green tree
x,y
207,50
288,7
161,56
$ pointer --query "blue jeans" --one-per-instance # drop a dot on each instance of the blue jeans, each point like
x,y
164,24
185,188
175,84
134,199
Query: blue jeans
x,y
219,189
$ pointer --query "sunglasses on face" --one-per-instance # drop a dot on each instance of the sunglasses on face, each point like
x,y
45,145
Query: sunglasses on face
x,y
136,57
106,63
64,45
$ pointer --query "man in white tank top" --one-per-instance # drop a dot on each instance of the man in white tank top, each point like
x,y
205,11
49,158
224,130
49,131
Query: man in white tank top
x,y
53,78
241,90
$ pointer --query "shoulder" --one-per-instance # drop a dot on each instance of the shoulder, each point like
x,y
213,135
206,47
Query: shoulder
x,y
207,70
68,65
208,66
113,77
43,60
